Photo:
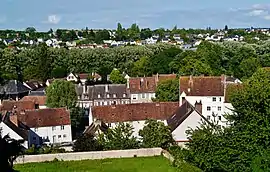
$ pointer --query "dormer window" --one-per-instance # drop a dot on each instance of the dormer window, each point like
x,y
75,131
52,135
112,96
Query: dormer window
x,y
114,95
98,95
124,95
108,95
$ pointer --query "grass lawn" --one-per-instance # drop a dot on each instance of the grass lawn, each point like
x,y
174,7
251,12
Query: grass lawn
x,y
139,164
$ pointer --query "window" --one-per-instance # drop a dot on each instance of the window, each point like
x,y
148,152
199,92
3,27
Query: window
x,y
53,128
143,96
219,118
214,99
108,95
64,136
36,129
109,125
134,97
208,108
59,136
36,106
98,95
208,117
114,95
220,99
124,95
62,127
219,108
34,138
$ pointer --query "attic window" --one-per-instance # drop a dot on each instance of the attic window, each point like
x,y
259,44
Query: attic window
x,y
114,95
108,95
124,95
98,95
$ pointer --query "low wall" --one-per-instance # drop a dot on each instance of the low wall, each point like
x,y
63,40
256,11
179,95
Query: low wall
x,y
90,155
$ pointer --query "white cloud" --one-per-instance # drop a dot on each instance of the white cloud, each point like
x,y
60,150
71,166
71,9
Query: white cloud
x,y
53,19
267,17
257,12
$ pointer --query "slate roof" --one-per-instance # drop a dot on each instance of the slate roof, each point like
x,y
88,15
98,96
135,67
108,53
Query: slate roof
x,y
31,85
202,85
14,87
134,112
37,93
95,126
45,117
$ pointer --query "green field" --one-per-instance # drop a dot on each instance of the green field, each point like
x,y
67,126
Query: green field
x,y
145,164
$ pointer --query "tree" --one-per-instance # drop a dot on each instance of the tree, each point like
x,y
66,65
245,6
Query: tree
x,y
156,134
116,77
10,149
141,67
59,72
85,143
168,91
61,93
30,30
226,28
244,144
119,138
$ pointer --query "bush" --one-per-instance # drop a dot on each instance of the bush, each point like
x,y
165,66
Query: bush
x,y
87,142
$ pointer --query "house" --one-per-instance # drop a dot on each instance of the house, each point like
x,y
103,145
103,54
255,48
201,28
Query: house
x,y
135,114
13,89
83,77
210,91
40,101
142,89
102,95
52,126
176,36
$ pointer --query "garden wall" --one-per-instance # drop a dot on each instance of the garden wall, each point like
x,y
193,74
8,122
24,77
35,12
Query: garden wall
x,y
90,155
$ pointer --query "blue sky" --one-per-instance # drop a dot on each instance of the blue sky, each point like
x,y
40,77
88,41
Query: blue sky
x,y
43,15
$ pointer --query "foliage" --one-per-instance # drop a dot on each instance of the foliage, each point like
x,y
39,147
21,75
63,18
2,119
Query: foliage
x,y
61,93
119,138
168,91
244,145
116,77
43,150
156,134
85,143
10,149
139,164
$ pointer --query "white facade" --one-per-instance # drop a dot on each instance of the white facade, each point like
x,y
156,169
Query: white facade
x,y
5,130
142,97
213,107
192,121
53,134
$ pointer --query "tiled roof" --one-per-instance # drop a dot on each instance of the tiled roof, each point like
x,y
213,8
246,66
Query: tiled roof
x,y
45,117
134,112
202,85
31,85
21,105
14,87
142,85
85,75
162,77
40,100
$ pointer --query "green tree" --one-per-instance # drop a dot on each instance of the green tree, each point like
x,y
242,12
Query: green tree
x,y
156,134
85,143
59,72
119,138
61,93
30,30
248,67
116,77
141,67
167,91
10,150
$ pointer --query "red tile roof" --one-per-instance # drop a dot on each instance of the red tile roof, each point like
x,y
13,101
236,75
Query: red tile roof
x,y
21,105
162,77
134,112
86,75
40,100
45,117
202,85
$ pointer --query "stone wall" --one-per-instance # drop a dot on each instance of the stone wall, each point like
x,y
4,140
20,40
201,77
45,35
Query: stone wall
x,y
90,155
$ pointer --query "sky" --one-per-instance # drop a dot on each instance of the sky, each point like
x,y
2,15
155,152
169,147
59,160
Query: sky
x,y
70,14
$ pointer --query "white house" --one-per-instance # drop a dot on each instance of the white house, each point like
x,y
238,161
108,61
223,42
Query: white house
x,y
208,90
82,77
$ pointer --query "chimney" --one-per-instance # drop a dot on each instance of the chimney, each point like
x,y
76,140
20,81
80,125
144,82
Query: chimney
x,y
106,88
14,119
198,106
157,77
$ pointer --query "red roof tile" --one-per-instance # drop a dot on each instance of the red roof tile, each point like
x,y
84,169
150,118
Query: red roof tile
x,y
142,85
45,117
21,105
40,100
202,85
134,112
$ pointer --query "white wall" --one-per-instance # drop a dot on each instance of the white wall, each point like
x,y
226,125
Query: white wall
x,y
192,121
12,134
142,97
49,132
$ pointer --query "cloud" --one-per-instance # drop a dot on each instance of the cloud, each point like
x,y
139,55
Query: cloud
x,y
53,19
257,12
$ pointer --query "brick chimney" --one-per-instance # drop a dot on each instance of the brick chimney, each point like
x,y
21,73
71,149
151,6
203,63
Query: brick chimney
x,y
198,106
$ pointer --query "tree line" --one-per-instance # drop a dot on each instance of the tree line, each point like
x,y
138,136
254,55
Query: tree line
x,y
41,62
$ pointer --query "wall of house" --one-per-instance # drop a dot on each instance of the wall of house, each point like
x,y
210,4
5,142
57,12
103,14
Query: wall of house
x,y
142,97
192,121
5,130
52,134
90,155
209,106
